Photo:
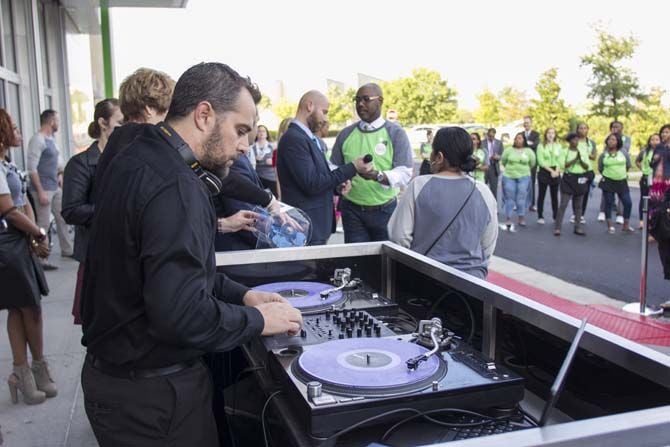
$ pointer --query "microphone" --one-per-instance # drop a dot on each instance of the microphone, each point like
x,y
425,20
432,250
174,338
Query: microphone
x,y
367,158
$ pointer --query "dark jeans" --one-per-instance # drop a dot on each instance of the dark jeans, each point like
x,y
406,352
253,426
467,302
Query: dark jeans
x,y
530,197
553,192
492,180
576,206
171,410
366,224
609,203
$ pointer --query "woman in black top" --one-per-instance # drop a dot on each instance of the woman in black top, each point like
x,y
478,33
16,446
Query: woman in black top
x,y
78,182
22,281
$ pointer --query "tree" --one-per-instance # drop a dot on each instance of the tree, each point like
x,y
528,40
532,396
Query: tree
x,y
423,97
464,116
649,117
488,112
615,88
265,103
550,110
284,108
513,104
341,109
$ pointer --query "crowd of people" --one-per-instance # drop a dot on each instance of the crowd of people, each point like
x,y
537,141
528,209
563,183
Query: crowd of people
x,y
176,169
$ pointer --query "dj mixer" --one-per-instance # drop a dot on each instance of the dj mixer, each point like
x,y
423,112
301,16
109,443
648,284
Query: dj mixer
x,y
347,364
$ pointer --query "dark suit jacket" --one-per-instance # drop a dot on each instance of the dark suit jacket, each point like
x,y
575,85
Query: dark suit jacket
x,y
493,148
78,208
534,137
226,205
306,180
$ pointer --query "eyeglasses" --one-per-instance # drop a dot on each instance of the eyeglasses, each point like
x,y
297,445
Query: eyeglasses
x,y
365,98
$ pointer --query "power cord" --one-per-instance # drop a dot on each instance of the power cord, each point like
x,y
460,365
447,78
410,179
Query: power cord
x,y
471,314
265,407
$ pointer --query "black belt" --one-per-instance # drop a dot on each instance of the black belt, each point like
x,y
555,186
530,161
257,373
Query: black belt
x,y
125,373
371,207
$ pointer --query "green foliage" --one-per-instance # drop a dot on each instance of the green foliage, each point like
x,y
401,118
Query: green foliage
x,y
550,109
342,108
423,97
513,104
464,116
489,111
265,103
615,89
285,108
648,119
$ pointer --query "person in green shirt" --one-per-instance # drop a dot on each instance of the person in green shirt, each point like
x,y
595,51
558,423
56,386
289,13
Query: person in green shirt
x,y
614,164
549,154
425,150
480,156
643,163
575,183
518,162
589,146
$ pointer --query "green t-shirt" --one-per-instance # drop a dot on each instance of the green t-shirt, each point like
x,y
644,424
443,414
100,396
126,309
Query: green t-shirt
x,y
589,146
518,162
426,149
480,155
378,143
645,161
614,166
549,156
577,168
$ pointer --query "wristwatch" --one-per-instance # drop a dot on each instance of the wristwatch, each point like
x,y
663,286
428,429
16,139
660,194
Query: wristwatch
x,y
380,176
42,235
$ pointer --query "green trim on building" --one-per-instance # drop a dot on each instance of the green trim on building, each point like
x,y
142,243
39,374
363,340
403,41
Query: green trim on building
x,y
108,67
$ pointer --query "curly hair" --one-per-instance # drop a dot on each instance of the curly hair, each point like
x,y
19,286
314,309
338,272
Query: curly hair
x,y
145,88
6,130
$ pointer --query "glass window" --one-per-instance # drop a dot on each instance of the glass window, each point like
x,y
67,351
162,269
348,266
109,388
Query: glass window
x,y
14,109
2,94
48,102
46,74
8,59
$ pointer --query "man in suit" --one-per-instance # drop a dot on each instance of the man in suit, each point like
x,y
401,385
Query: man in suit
x,y
306,180
494,150
531,139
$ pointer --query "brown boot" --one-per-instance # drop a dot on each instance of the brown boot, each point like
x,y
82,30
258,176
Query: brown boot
x,y
43,378
22,379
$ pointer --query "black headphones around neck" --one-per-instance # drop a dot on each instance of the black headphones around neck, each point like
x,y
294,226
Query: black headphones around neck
x,y
212,181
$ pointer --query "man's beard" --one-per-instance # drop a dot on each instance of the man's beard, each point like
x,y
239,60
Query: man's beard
x,y
313,123
211,161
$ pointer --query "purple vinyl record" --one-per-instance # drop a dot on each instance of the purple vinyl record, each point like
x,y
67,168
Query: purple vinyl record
x,y
359,365
304,295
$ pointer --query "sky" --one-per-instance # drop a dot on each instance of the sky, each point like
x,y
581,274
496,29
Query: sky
x,y
474,44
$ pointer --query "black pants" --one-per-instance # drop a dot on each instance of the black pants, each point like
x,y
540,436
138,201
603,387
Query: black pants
x,y
173,410
553,192
531,197
492,180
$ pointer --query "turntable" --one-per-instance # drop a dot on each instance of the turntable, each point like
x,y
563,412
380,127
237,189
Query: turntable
x,y
335,384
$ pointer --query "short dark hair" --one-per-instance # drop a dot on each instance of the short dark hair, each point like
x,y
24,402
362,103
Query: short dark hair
x,y
214,82
571,136
455,145
619,140
46,116
491,129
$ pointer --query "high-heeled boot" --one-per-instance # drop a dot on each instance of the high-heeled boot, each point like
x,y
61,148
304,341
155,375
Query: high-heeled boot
x,y
43,378
22,380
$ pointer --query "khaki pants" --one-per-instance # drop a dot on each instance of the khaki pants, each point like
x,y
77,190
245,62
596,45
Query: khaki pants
x,y
43,216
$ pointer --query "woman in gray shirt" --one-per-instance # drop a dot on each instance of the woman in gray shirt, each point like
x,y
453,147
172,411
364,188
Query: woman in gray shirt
x,y
447,216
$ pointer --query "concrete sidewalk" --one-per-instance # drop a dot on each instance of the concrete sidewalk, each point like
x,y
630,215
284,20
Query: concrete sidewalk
x,y
61,421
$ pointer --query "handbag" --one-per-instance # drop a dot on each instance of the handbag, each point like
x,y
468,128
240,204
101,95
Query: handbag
x,y
467,199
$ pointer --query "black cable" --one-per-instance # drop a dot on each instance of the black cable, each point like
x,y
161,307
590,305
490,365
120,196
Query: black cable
x,y
424,414
467,307
265,407
363,422
529,417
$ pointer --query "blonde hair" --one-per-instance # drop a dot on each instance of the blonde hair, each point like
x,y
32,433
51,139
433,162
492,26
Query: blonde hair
x,y
145,88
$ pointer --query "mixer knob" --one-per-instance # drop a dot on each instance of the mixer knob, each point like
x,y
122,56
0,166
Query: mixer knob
x,y
368,331
327,315
350,332
303,333
359,332
341,336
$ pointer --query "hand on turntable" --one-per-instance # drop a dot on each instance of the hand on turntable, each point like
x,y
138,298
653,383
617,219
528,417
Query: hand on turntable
x,y
280,318
255,297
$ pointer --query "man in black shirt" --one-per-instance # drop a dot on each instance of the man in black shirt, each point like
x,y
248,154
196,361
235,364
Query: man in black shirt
x,y
153,302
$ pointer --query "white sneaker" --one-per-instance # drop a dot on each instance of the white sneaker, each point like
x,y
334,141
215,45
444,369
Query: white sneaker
x,y
572,219
619,220
540,221
601,217
511,228
582,220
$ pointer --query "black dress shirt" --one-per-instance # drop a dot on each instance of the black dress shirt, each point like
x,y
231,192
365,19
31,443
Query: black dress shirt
x,y
151,295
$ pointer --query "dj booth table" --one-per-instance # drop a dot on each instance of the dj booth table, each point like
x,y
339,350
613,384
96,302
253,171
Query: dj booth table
x,y
618,393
